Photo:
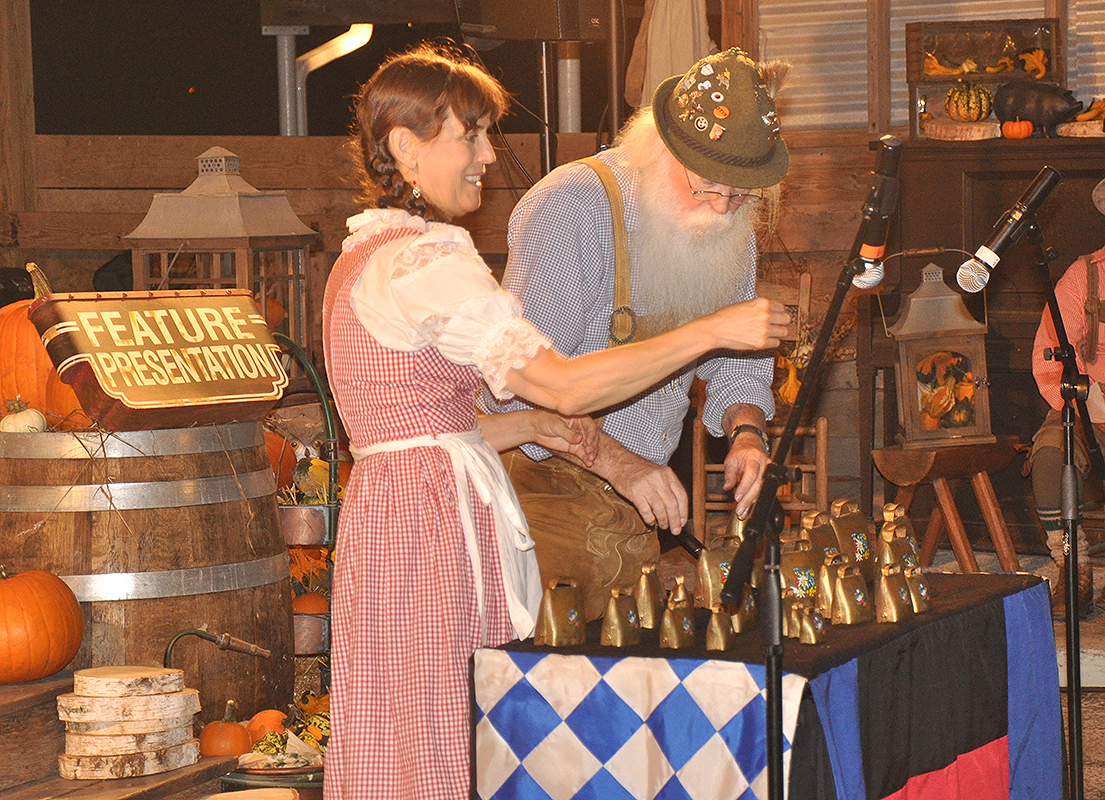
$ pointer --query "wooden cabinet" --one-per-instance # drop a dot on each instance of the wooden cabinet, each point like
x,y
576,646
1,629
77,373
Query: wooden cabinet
x,y
952,194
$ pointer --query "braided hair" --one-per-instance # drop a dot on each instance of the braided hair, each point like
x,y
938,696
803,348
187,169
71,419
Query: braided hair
x,y
416,89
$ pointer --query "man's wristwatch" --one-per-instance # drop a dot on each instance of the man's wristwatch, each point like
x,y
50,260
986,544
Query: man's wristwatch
x,y
751,429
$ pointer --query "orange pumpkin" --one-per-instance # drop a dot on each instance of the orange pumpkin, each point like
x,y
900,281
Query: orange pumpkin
x,y
268,721
274,313
41,625
225,737
310,603
26,369
1016,128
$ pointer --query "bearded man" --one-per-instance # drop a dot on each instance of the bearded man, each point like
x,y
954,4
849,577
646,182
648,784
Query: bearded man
x,y
695,174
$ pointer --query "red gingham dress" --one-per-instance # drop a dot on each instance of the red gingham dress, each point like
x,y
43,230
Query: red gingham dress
x,y
404,605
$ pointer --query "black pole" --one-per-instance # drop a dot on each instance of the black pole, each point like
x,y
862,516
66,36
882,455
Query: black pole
x,y
614,8
1073,388
766,519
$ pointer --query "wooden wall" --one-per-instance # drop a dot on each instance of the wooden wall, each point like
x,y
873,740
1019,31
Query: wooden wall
x,y
90,191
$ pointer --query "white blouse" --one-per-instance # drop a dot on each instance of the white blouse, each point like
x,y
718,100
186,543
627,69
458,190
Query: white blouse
x,y
433,289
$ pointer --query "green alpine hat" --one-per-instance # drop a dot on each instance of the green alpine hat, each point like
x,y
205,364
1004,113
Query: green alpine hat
x,y
719,121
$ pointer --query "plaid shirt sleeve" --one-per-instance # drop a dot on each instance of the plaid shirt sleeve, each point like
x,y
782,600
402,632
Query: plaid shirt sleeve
x,y
561,267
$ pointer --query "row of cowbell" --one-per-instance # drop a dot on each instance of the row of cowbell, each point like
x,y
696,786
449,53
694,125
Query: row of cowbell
x,y
560,621
835,571
829,571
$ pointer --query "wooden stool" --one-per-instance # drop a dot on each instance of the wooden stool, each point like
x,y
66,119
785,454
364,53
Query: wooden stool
x,y
943,467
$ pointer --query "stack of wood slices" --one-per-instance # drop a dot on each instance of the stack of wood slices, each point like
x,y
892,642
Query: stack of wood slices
x,y
124,722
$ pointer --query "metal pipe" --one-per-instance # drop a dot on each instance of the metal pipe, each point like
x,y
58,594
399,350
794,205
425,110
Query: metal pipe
x,y
568,88
616,77
285,71
548,159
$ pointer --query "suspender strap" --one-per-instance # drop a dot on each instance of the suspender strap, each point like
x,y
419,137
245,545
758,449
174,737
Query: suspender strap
x,y
623,322
1088,347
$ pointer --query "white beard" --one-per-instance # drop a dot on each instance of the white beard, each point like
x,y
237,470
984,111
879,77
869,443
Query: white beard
x,y
687,265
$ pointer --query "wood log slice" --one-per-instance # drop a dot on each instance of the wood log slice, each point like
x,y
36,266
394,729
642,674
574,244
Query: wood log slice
x,y
116,727
954,131
131,765
125,681
95,744
267,793
1086,127
80,708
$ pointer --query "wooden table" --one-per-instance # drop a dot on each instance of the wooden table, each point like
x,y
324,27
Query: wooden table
x,y
944,467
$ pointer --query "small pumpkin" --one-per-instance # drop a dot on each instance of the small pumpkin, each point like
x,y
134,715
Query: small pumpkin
x,y
274,313
1017,128
310,603
41,625
225,737
26,368
270,720
21,418
968,102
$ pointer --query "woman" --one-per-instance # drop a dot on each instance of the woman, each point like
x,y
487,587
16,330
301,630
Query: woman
x,y
434,559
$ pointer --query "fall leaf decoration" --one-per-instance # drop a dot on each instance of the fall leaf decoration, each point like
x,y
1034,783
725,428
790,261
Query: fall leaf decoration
x,y
1035,61
309,565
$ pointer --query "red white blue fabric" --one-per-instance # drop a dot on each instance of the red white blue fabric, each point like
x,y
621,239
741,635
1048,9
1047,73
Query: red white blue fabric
x,y
560,726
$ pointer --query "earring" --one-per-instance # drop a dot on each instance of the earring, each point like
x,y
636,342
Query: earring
x,y
416,192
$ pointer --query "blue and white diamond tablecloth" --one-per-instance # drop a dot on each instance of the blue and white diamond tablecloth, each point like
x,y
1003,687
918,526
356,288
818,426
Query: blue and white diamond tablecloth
x,y
558,726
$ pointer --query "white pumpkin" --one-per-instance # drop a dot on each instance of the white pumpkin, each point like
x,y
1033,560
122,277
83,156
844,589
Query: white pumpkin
x,y
22,419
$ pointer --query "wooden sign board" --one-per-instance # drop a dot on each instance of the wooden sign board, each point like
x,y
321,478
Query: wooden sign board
x,y
150,360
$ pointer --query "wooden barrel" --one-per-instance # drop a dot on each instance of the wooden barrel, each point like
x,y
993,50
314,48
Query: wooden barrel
x,y
158,532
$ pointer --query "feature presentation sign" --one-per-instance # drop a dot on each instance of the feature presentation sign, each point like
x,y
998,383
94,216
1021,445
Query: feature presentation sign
x,y
147,360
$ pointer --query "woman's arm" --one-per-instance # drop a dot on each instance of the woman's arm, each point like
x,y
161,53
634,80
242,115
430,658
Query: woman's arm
x,y
573,436
598,380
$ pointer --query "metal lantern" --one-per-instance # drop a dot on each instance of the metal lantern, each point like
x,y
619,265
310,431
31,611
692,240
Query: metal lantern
x,y
222,233
943,391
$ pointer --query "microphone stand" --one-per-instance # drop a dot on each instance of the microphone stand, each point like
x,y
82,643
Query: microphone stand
x,y
1073,388
766,521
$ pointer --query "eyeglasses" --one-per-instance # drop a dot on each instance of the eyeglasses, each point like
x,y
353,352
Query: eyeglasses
x,y
737,195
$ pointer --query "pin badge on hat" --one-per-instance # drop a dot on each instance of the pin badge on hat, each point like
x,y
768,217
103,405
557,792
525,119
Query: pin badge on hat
x,y
746,150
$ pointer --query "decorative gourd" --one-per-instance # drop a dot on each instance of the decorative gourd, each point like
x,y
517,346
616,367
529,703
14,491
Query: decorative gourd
x,y
26,369
968,102
225,737
41,627
1016,128
21,419
271,720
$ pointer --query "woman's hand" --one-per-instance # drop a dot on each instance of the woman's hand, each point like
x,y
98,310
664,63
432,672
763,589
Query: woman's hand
x,y
575,436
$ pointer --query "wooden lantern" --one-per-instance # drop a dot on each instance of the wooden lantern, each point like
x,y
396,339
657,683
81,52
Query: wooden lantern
x,y
222,233
943,391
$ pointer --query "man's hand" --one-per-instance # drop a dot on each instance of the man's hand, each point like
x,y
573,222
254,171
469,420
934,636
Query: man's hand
x,y
744,471
746,461
654,490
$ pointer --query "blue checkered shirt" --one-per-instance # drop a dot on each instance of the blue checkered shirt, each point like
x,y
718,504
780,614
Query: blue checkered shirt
x,y
561,268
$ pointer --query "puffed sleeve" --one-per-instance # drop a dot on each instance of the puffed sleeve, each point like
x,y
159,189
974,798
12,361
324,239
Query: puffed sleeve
x,y
441,293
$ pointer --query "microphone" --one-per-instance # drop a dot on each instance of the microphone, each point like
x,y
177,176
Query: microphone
x,y
974,273
882,198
